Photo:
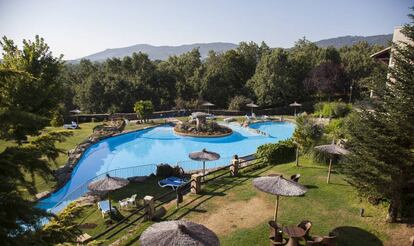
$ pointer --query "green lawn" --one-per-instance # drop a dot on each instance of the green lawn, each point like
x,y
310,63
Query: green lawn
x,y
239,213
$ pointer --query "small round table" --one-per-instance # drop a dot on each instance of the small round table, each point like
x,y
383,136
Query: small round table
x,y
294,234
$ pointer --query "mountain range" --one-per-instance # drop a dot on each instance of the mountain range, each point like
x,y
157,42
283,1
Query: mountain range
x,y
339,42
163,52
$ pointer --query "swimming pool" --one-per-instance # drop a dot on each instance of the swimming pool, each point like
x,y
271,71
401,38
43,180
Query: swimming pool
x,y
137,153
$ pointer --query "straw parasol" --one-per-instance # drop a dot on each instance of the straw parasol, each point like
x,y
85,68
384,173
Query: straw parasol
x,y
204,156
295,105
252,105
178,232
76,111
279,186
331,149
108,184
208,105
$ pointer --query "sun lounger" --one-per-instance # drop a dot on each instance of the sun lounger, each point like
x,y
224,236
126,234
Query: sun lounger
x,y
73,125
229,119
104,207
211,117
172,182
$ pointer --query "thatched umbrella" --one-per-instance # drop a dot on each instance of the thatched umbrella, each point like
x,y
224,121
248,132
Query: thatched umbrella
x,y
76,111
208,105
178,232
108,184
252,105
204,156
331,149
279,186
295,105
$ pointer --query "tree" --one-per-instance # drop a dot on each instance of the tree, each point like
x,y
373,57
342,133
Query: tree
x,y
29,71
144,109
275,81
361,69
382,140
327,80
239,103
306,134
29,93
90,95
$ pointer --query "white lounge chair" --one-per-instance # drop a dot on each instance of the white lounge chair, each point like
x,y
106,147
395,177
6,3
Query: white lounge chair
x,y
104,207
128,201
73,125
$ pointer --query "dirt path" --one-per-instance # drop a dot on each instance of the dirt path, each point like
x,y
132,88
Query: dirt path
x,y
235,215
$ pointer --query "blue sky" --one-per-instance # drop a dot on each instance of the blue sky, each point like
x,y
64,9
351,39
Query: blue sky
x,y
77,28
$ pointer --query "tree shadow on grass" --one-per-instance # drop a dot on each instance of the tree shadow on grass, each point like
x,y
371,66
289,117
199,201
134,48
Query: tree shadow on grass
x,y
350,236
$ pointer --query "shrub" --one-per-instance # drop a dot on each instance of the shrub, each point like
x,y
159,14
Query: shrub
x,y
281,152
238,102
166,170
57,119
332,109
307,133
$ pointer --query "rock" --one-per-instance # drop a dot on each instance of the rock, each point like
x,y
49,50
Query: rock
x,y
138,179
42,195
87,200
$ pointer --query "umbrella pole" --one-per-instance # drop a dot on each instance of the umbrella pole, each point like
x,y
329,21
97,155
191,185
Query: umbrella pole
x,y
295,111
329,170
204,170
110,206
297,156
276,209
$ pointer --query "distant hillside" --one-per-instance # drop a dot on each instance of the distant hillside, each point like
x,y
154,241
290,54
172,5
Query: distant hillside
x,y
350,40
159,52
163,52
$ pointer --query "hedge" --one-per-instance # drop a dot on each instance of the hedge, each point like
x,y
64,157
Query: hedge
x,y
277,153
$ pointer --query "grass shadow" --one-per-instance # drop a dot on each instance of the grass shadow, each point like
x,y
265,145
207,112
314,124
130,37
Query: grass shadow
x,y
222,186
311,186
350,236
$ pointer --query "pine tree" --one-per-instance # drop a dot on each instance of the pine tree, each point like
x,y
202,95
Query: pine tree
x,y
382,141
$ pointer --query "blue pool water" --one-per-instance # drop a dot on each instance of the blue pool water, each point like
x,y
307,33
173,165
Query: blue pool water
x,y
122,154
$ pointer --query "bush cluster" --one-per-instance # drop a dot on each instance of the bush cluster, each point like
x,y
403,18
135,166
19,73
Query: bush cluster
x,y
332,109
166,170
281,152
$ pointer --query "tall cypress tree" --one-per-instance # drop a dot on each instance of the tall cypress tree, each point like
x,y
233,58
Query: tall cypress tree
x,y
382,140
